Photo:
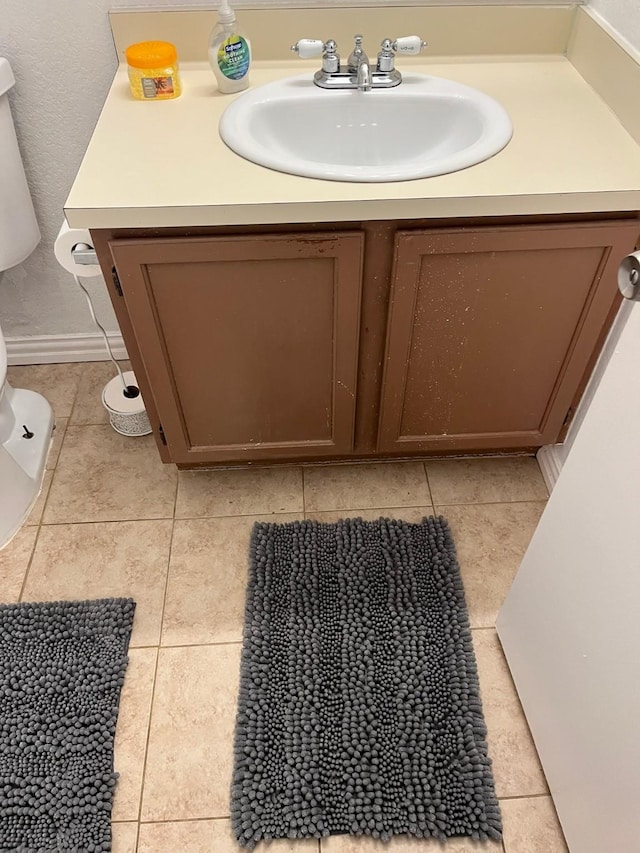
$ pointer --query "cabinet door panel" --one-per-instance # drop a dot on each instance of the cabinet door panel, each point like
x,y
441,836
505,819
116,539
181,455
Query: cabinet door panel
x,y
490,332
250,343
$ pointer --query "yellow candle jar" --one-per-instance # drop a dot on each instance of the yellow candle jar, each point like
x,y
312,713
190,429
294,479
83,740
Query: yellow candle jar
x,y
153,70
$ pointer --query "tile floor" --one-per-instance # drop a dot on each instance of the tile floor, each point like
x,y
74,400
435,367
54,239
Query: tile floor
x,y
113,521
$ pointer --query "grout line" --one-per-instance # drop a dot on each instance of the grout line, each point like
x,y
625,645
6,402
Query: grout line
x,y
56,429
525,797
184,819
361,508
90,423
102,520
146,744
29,562
54,471
75,396
492,503
304,503
167,518
195,645
484,628
155,671
426,474
380,509
435,509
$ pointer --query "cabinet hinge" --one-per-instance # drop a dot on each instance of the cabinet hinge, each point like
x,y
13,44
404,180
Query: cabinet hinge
x,y
163,438
116,280
569,417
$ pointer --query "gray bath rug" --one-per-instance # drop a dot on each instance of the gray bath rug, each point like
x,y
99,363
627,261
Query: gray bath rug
x,y
62,666
359,708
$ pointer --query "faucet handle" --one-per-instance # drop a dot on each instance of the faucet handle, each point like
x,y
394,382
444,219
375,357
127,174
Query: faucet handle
x,y
307,48
386,57
410,45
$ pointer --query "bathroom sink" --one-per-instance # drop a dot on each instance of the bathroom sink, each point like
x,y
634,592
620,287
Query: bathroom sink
x,y
425,126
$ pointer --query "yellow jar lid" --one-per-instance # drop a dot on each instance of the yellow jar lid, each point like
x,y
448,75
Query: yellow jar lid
x,y
151,54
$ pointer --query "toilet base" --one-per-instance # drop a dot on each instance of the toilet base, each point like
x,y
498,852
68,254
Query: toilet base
x,y
23,460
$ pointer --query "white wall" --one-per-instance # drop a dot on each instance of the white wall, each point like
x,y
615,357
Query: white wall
x,y
623,15
63,58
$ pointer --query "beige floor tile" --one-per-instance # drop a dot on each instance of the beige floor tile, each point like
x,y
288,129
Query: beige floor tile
x,y
88,408
412,514
531,826
58,383
205,836
104,476
194,836
131,732
490,541
463,481
365,486
207,579
35,516
516,766
14,562
351,844
126,559
247,491
190,754
56,442
124,837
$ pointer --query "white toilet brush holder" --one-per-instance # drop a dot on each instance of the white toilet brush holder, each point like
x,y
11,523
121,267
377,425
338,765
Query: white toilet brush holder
x,y
127,413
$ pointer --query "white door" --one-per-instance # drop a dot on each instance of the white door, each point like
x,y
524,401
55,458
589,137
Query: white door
x,y
570,626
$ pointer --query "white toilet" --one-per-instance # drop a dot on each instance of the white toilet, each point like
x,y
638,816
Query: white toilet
x,y
26,419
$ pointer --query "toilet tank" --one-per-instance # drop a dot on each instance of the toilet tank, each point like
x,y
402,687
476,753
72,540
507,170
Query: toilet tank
x,y
19,232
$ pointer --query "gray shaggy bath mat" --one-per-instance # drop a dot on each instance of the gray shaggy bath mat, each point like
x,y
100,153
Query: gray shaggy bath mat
x,y
62,666
359,709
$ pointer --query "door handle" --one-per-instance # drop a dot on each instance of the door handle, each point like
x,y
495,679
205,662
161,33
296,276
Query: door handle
x,y
629,277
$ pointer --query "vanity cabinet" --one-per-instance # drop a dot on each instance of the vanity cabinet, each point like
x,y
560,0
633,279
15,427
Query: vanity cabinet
x,y
490,331
363,340
249,344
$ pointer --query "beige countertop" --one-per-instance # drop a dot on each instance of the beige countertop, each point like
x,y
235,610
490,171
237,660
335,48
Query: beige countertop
x,y
162,164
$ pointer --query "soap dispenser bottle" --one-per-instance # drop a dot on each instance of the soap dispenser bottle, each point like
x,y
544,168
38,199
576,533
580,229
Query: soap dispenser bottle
x,y
229,52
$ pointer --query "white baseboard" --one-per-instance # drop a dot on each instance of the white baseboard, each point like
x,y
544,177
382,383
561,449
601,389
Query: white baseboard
x,y
55,349
550,459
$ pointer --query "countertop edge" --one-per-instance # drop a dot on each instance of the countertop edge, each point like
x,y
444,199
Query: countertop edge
x,y
348,211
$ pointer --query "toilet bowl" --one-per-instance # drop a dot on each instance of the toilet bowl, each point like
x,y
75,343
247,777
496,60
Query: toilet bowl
x,y
26,419
26,422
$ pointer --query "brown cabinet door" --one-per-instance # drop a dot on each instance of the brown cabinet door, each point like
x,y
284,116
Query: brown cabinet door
x,y
490,332
249,343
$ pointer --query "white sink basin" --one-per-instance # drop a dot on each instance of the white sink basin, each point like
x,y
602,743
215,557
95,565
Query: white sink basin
x,y
425,126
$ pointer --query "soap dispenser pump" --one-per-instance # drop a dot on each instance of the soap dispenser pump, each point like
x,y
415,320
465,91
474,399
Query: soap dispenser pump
x,y
229,52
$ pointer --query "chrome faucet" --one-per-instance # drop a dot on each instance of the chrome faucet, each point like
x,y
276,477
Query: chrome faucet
x,y
358,64
357,73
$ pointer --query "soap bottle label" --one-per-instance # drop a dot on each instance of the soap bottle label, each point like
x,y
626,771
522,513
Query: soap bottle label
x,y
233,57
